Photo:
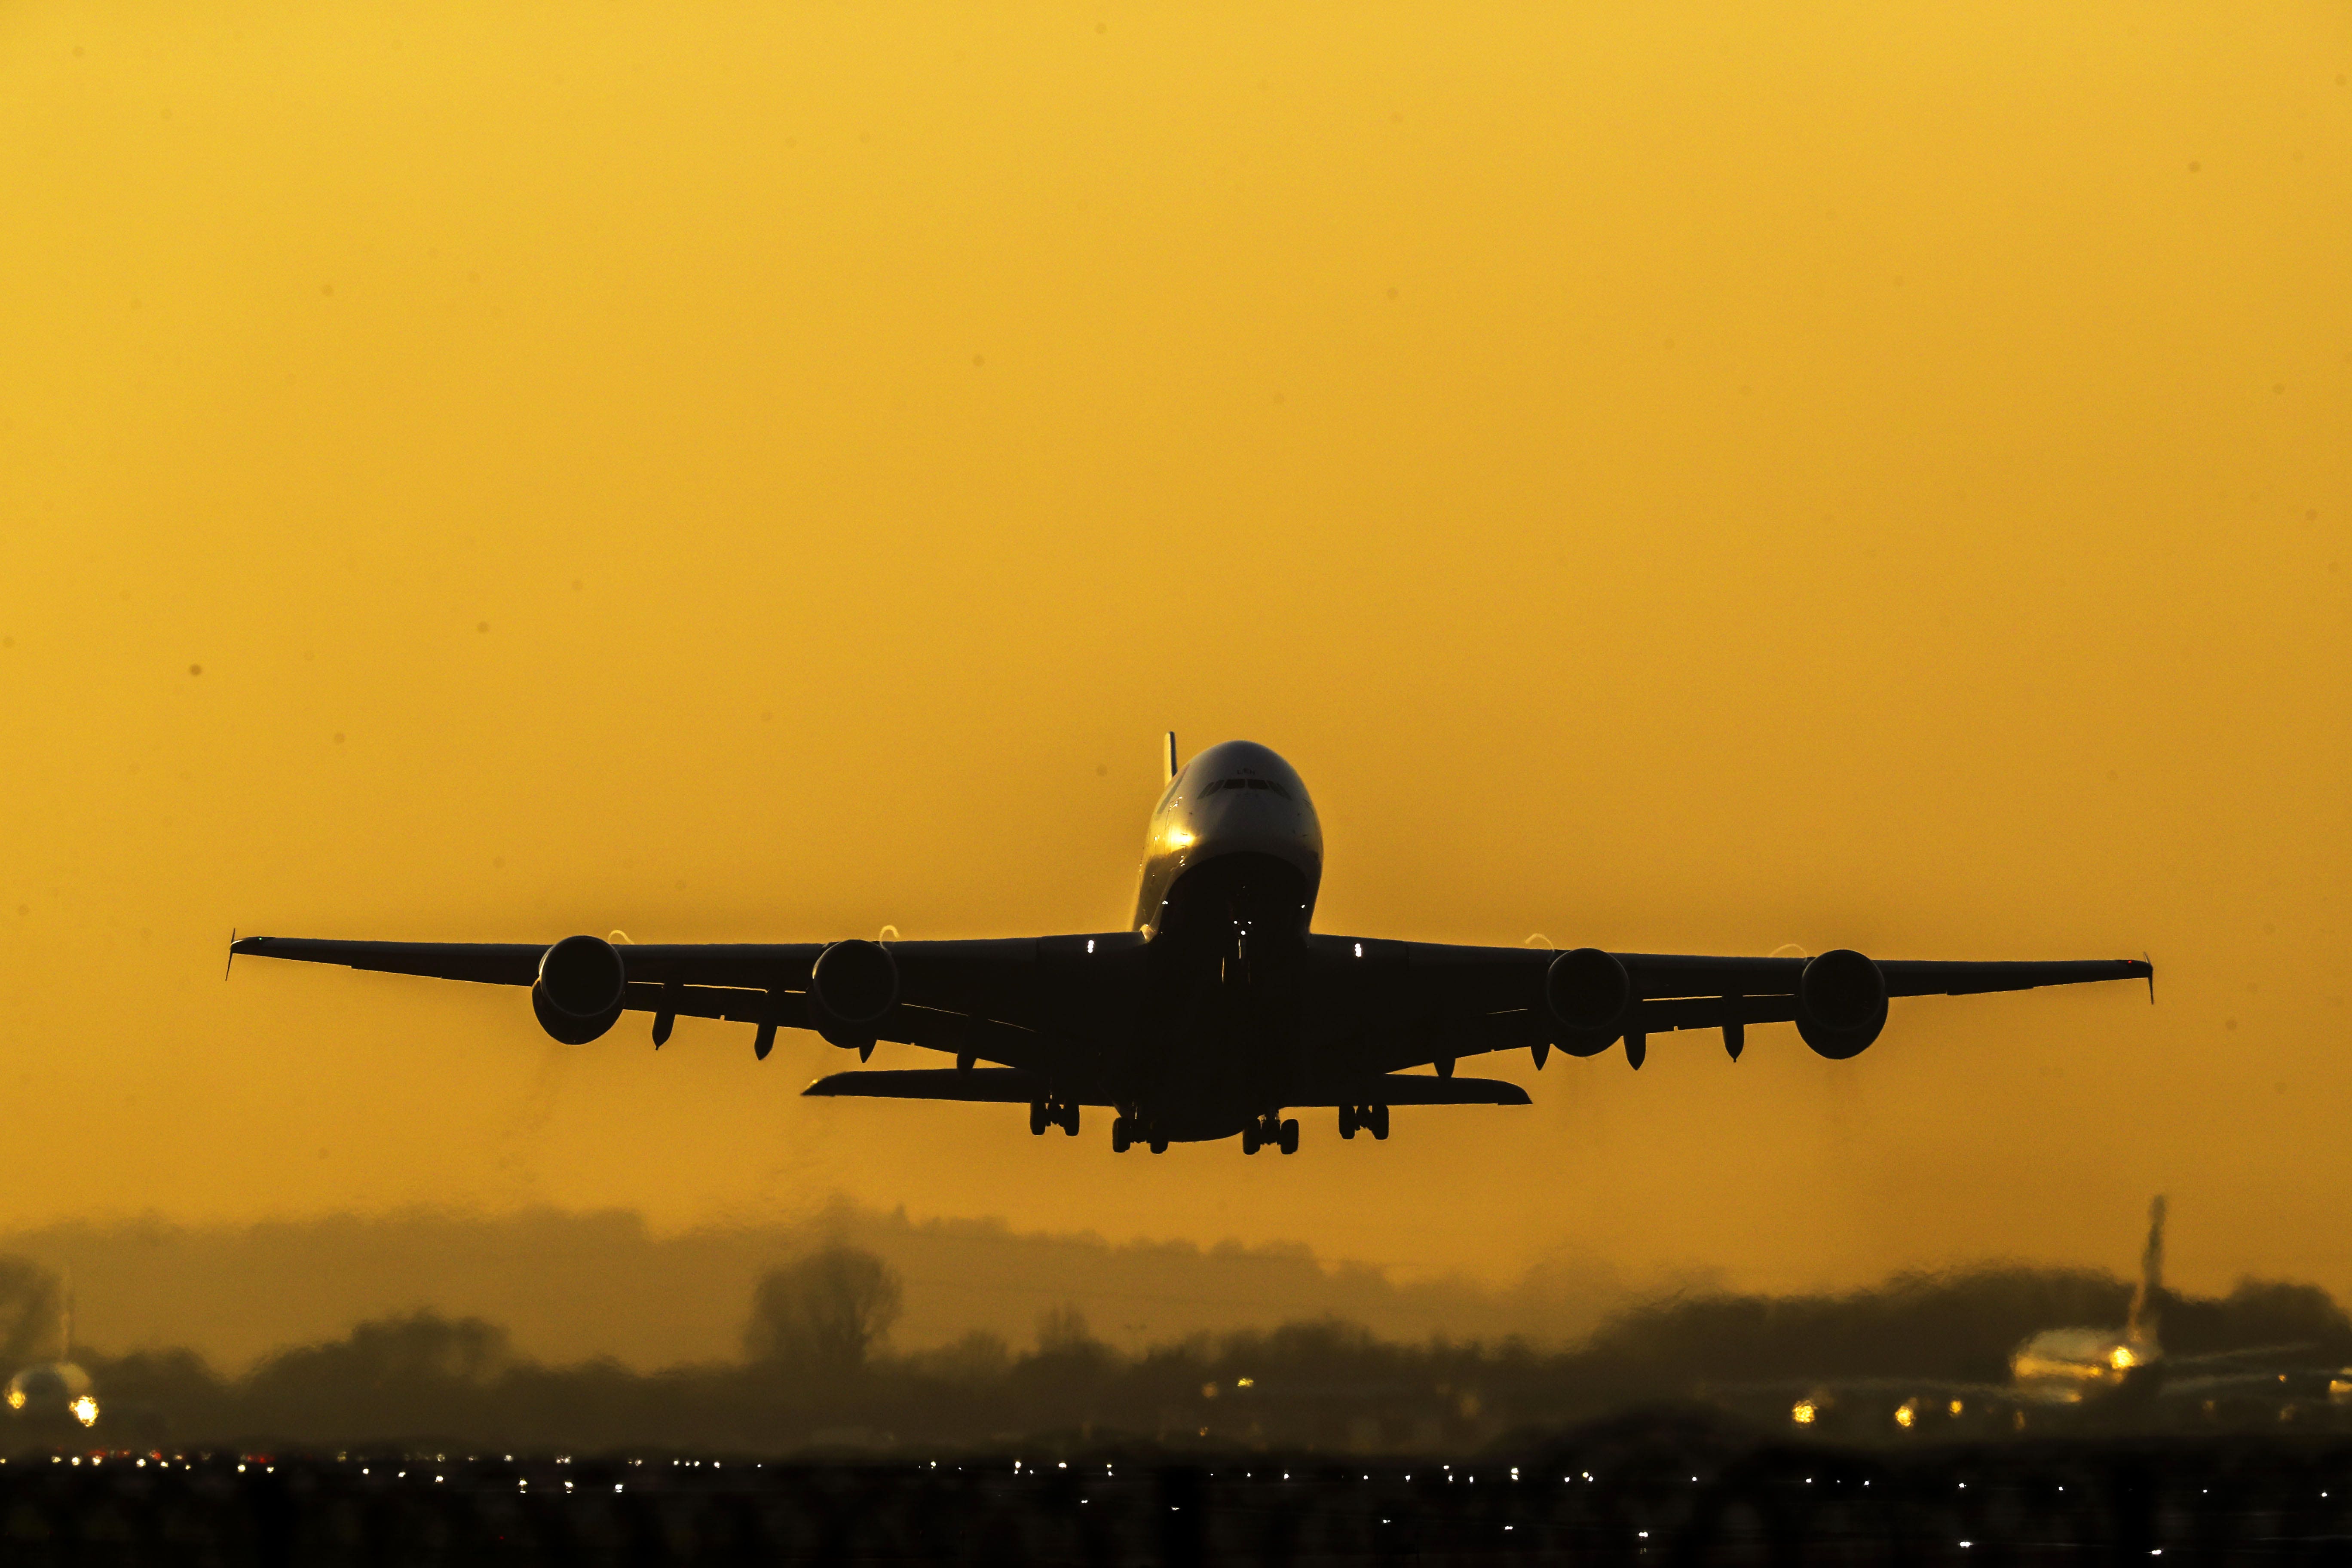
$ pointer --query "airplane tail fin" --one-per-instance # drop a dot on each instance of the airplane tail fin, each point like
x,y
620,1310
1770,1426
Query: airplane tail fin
x,y
1168,760
2147,1299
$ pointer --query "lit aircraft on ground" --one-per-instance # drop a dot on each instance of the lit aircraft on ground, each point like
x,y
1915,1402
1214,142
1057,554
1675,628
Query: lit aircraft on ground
x,y
52,1392
2099,1369
1220,1009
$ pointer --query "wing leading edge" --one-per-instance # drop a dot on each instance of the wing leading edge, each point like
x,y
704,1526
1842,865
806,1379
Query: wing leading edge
x,y
1036,1005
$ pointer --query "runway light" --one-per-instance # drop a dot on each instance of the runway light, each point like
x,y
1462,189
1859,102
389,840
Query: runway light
x,y
1803,1412
85,1410
16,1399
2123,1360
1957,1407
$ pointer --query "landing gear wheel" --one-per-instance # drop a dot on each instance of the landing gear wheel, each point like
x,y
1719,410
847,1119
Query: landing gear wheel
x,y
1160,1145
1290,1137
1122,1133
1347,1121
1250,1138
1069,1121
1380,1122
1036,1118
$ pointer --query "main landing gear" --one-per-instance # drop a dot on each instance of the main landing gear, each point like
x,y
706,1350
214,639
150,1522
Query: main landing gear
x,y
1373,1119
1045,1113
1270,1132
1128,1130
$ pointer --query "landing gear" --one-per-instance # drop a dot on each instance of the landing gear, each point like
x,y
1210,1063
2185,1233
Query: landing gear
x,y
1348,1123
1378,1120
1160,1145
1270,1132
1045,1113
1122,1134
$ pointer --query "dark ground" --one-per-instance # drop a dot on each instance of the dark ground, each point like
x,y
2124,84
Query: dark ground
x,y
1669,1488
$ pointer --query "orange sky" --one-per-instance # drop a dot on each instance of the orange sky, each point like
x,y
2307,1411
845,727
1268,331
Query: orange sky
x,y
1673,477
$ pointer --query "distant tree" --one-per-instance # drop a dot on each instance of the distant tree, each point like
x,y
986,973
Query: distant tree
x,y
830,1309
422,1348
31,1323
1062,1330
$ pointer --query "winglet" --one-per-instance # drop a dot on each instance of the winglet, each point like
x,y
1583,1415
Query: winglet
x,y
2152,976
1168,760
232,954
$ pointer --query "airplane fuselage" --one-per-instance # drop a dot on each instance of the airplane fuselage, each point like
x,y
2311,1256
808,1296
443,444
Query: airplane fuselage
x,y
1226,893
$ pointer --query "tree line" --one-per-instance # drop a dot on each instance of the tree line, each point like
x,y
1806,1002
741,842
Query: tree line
x,y
818,1371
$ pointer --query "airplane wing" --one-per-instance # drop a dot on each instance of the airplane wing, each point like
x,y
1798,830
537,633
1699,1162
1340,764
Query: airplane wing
x,y
1023,1001
1428,1002
1047,1006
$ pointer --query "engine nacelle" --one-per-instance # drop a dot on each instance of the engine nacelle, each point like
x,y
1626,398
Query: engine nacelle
x,y
1841,1004
1589,996
852,985
582,982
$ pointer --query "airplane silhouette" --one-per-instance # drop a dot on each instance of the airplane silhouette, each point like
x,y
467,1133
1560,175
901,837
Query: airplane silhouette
x,y
1219,1009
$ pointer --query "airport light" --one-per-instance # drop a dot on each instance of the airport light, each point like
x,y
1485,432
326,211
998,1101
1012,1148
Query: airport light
x,y
1804,1412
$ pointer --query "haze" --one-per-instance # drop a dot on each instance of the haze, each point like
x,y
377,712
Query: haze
x,y
1672,478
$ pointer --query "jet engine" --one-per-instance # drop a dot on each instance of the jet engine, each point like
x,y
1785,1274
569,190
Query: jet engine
x,y
1841,1004
580,984
1589,995
853,984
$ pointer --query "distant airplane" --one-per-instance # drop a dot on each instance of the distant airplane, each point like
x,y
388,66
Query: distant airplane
x,y
1220,1009
2063,1366
2090,1367
55,1390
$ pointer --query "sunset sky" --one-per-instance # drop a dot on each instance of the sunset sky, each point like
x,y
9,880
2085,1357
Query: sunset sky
x,y
1672,478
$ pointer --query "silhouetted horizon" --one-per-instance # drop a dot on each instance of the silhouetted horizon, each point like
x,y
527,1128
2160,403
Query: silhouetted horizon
x,y
814,1365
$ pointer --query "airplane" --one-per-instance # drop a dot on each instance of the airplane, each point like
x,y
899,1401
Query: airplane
x,y
49,1392
2098,1370
2063,1366
1219,1009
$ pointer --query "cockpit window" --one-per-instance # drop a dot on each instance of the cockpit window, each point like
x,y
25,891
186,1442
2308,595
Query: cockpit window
x,y
1246,784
